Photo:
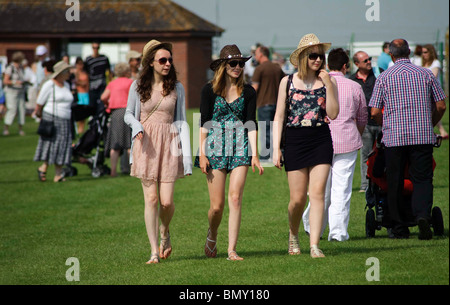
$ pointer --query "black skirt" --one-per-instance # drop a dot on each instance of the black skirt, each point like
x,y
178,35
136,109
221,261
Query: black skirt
x,y
307,146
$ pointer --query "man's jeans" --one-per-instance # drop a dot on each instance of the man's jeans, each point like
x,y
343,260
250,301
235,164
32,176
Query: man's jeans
x,y
265,116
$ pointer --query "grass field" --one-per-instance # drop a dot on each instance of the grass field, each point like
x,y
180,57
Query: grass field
x,y
100,222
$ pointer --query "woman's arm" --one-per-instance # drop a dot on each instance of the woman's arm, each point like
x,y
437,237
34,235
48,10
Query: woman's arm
x,y
253,139
130,115
183,129
278,122
332,106
105,97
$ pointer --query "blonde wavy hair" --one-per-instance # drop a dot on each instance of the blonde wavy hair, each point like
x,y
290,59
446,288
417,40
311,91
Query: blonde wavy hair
x,y
219,80
303,60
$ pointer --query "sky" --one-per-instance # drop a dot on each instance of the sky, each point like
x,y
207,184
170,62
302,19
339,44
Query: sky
x,y
281,23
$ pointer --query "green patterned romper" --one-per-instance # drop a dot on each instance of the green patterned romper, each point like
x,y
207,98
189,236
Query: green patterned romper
x,y
227,141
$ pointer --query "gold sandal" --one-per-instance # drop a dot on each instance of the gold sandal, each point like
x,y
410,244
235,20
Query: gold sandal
x,y
294,248
234,257
164,246
316,252
154,259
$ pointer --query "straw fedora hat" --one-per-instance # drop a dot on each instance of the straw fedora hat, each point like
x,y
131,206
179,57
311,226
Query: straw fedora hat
x,y
309,40
151,45
228,52
59,67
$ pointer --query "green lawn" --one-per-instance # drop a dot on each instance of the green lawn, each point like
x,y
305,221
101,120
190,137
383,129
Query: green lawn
x,y
100,222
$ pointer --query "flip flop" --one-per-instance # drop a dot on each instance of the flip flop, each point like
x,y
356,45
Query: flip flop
x,y
41,175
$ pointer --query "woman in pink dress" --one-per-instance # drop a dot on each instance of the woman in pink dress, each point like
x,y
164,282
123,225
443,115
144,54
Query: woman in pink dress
x,y
160,152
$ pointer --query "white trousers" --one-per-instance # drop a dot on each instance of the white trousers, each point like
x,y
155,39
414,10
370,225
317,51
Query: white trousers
x,y
15,102
338,194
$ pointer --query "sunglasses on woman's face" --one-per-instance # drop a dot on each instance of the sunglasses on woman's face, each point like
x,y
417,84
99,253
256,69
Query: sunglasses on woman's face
x,y
234,63
164,60
314,56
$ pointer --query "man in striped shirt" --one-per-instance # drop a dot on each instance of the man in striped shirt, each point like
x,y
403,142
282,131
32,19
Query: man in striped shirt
x,y
346,131
413,103
98,67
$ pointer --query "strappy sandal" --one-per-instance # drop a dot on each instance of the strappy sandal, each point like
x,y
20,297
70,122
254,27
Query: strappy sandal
x,y
164,246
316,252
154,259
208,251
41,175
234,257
294,248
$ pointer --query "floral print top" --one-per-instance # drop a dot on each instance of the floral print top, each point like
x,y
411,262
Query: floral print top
x,y
227,141
307,108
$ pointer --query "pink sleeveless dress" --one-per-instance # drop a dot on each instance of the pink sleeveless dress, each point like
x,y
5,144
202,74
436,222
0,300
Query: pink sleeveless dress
x,y
157,156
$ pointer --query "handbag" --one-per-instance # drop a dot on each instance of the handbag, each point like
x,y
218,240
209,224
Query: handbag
x,y
47,128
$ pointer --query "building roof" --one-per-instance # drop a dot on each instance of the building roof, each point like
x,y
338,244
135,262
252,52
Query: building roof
x,y
109,18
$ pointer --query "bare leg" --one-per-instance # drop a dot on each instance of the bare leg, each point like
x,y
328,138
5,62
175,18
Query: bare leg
x,y
298,186
166,212
235,192
151,213
216,187
318,180
114,158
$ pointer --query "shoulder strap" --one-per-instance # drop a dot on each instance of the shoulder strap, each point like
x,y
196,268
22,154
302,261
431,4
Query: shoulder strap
x,y
154,109
288,85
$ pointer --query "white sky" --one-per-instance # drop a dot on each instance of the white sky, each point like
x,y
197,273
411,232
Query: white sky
x,y
281,23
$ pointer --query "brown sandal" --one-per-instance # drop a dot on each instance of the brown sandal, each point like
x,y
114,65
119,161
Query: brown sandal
x,y
41,175
208,251
164,246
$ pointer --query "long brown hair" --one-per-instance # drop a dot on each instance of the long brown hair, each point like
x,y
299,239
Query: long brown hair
x,y
432,55
144,83
219,80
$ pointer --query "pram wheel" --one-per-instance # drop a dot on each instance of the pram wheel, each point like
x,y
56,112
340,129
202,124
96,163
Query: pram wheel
x,y
370,223
100,171
437,221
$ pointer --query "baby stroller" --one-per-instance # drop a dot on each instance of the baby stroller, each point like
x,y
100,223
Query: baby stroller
x,y
377,214
93,138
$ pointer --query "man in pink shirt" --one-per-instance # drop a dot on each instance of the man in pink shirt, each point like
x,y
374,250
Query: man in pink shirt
x,y
346,131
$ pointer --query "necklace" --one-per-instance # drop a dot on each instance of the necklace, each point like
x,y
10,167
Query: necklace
x,y
309,86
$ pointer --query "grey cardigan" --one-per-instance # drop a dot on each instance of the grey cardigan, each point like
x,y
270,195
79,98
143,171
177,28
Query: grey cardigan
x,y
132,119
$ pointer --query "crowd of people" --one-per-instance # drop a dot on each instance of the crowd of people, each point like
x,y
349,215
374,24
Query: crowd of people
x,y
311,121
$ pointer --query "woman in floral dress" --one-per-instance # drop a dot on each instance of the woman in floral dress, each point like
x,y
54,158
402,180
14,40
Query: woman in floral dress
x,y
228,143
308,148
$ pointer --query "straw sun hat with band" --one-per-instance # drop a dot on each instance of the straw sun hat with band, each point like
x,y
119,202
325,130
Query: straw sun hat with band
x,y
151,45
228,52
60,67
309,40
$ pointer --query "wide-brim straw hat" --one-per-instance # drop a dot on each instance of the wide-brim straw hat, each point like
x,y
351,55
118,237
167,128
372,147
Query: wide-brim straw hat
x,y
307,41
228,52
60,67
152,44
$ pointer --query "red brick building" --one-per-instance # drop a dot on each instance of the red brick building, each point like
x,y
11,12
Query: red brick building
x,y
26,24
